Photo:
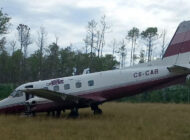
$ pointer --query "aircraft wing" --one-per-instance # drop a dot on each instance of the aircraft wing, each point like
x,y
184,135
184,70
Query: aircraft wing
x,y
179,69
57,97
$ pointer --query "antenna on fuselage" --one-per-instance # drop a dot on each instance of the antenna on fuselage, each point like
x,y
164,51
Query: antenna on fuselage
x,y
86,71
74,71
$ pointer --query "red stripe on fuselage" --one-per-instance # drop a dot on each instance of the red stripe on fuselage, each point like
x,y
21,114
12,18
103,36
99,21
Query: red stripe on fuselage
x,y
13,109
129,90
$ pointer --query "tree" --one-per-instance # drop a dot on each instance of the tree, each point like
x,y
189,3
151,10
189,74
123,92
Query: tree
x,y
113,46
86,42
95,37
13,45
133,35
142,56
4,25
16,72
4,57
25,40
82,61
91,29
67,61
123,52
33,65
52,62
101,34
109,62
56,39
4,67
149,35
24,37
41,42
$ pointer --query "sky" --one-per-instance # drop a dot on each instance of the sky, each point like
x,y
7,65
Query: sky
x,y
67,19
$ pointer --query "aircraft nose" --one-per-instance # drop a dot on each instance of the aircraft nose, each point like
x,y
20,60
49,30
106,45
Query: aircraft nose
x,y
3,104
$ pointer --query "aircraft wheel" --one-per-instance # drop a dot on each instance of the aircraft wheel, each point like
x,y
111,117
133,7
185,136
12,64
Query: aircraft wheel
x,y
58,113
98,112
53,113
33,114
96,109
74,113
48,113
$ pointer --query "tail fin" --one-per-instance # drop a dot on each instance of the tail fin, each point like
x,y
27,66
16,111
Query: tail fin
x,y
178,51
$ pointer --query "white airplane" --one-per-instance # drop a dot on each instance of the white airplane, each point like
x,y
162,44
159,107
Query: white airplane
x,y
93,89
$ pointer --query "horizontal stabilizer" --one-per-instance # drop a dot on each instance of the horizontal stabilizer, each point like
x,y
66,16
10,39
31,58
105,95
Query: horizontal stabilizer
x,y
179,69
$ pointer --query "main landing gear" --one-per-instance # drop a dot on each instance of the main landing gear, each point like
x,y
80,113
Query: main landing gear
x,y
56,113
96,109
74,113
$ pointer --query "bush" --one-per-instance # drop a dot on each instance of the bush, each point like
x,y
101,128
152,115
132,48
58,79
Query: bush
x,y
173,94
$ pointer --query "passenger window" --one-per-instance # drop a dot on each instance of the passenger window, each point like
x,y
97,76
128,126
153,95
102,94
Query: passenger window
x,y
78,84
91,83
67,86
56,88
45,88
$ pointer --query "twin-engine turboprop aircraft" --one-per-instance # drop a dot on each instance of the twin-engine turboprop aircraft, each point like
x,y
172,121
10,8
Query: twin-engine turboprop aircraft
x,y
91,90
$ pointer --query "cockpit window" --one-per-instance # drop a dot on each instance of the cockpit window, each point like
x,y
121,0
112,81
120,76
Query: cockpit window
x,y
29,86
16,93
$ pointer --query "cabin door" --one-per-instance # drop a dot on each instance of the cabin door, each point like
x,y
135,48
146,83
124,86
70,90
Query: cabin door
x,y
29,96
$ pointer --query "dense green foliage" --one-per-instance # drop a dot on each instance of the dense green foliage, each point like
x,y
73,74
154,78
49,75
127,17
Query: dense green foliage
x,y
173,94
150,35
4,24
55,63
6,89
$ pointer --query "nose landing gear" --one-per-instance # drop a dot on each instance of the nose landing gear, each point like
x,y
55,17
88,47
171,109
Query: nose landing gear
x,y
28,109
74,113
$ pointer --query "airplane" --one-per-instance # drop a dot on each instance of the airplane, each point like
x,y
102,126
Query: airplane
x,y
93,89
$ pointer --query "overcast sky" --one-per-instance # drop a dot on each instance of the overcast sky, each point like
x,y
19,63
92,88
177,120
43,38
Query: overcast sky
x,y
68,19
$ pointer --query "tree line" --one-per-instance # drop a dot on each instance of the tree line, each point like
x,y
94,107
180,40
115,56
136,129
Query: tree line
x,y
52,61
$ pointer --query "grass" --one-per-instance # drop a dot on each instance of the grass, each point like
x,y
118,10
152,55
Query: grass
x,y
121,121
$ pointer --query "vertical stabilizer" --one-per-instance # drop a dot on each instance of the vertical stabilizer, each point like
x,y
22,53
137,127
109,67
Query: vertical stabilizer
x,y
178,51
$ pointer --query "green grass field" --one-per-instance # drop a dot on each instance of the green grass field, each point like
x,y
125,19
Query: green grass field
x,y
120,121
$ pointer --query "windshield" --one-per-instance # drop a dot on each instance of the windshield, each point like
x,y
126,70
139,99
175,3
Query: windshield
x,y
16,93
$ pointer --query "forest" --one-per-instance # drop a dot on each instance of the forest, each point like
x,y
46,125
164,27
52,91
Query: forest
x,y
18,66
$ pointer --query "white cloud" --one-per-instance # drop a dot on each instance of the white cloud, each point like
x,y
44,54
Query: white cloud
x,y
68,18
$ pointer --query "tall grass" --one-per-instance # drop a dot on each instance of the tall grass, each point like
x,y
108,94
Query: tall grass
x,y
120,121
